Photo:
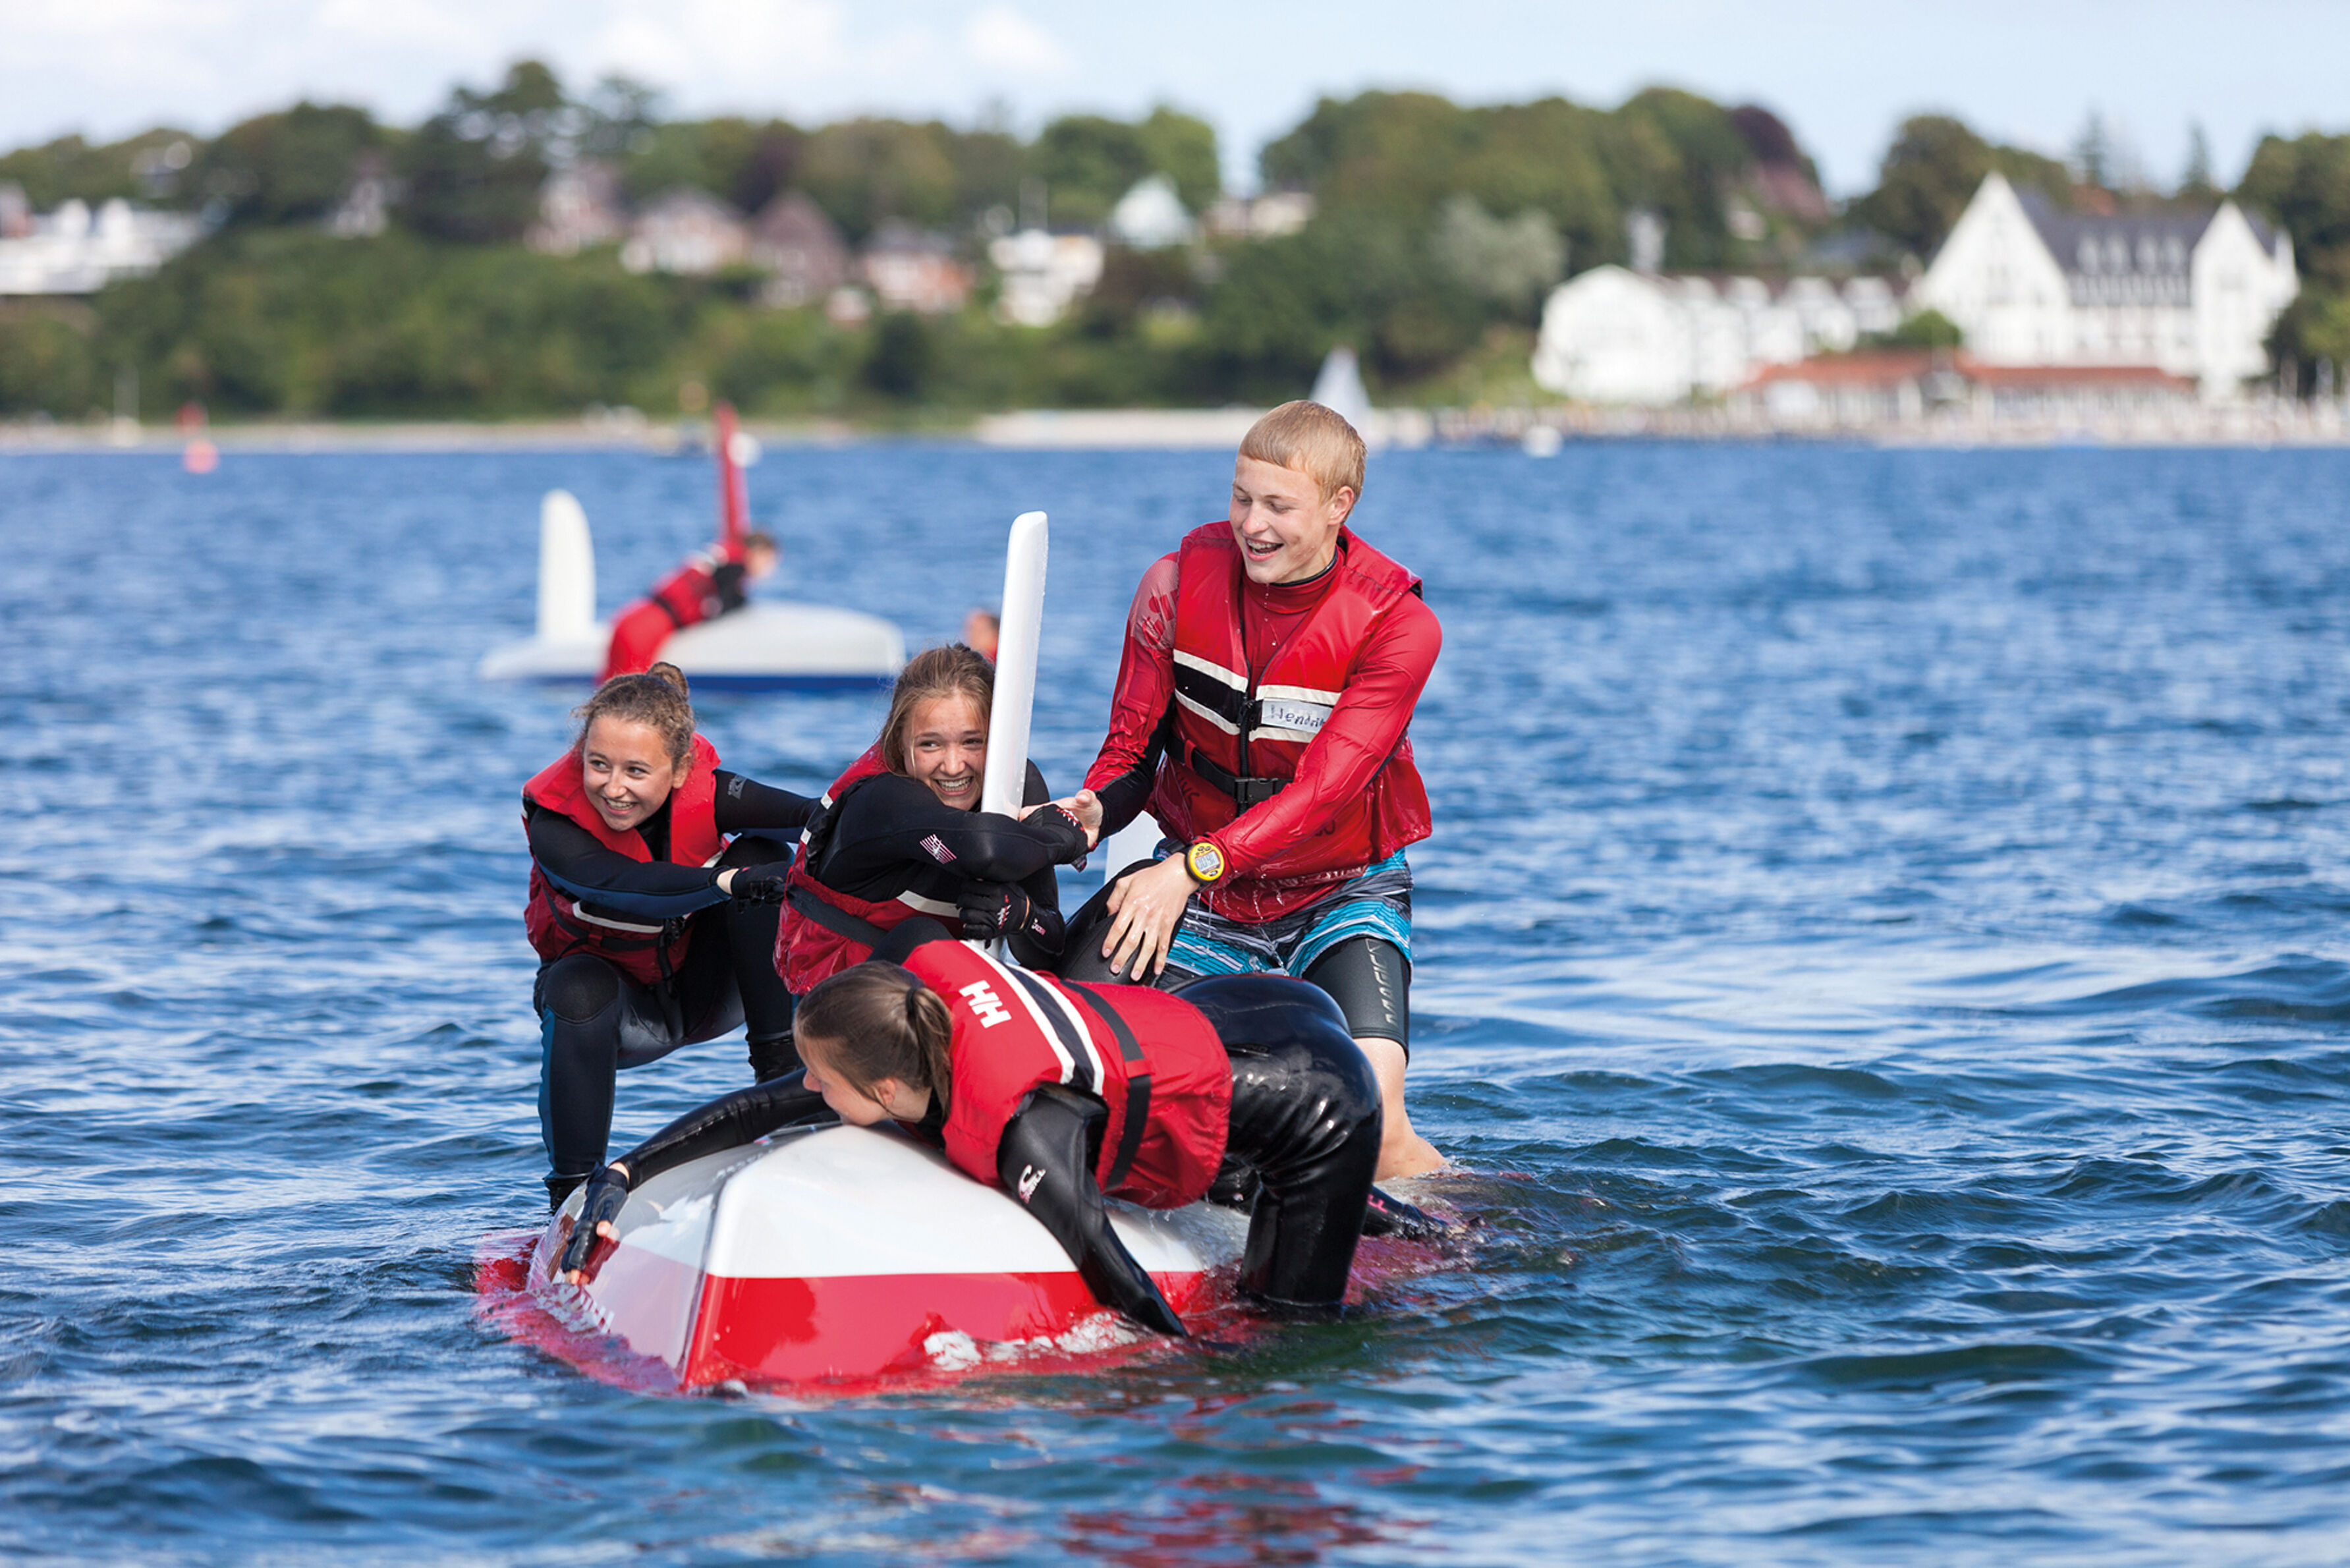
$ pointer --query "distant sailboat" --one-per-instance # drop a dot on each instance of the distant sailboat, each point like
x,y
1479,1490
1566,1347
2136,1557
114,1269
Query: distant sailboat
x,y
1339,388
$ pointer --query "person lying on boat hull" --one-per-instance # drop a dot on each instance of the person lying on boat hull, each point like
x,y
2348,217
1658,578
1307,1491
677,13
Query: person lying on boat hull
x,y
712,583
653,931
1061,1093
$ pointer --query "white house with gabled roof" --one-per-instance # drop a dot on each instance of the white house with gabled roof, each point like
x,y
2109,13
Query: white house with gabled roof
x,y
2192,293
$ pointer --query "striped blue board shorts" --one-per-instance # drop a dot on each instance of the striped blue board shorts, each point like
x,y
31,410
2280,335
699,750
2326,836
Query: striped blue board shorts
x,y
1375,904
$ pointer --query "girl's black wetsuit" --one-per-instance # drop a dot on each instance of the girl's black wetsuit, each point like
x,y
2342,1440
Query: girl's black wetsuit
x,y
890,839
595,1020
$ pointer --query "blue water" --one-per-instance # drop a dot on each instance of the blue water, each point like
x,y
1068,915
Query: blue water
x,y
1880,960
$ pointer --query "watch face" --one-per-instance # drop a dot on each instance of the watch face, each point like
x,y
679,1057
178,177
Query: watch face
x,y
1206,861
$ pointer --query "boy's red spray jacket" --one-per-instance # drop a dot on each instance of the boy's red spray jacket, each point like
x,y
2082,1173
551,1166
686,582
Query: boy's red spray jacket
x,y
1362,803
558,924
1151,1057
824,930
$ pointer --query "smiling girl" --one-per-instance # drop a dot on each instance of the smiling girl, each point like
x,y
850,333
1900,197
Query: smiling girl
x,y
902,837
653,931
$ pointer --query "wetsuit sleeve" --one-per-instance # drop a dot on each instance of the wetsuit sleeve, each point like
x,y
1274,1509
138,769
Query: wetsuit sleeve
x,y
1127,768
727,1122
1363,730
1045,1161
890,821
656,890
744,803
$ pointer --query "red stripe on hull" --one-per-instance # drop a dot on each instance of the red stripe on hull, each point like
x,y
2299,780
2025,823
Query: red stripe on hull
x,y
855,1326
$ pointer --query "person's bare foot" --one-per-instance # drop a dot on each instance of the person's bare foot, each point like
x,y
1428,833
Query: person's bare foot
x,y
1402,1151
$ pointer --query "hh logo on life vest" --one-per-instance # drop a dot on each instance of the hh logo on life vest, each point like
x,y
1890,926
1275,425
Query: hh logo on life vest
x,y
985,1002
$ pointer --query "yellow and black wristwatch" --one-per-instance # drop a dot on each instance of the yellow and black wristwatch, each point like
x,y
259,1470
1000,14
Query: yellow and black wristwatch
x,y
1205,862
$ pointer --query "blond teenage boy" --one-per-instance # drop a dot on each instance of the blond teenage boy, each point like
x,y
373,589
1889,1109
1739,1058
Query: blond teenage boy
x,y
1261,713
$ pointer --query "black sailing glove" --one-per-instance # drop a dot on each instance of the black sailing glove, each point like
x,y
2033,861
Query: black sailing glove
x,y
1043,1162
608,1193
992,909
761,884
1384,1215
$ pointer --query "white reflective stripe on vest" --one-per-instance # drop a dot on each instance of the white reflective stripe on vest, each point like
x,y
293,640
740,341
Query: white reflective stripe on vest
x,y
585,918
1013,988
1210,714
915,901
1232,679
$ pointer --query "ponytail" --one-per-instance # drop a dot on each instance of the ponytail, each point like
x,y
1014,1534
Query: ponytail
x,y
880,1021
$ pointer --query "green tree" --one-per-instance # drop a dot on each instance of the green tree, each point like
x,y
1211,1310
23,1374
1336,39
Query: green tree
x,y
1511,262
1931,173
474,169
1087,161
863,172
288,166
144,167
1183,147
2304,184
2197,184
898,364
49,362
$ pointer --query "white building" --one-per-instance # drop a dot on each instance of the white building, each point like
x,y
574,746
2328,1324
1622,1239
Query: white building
x,y
1044,274
1151,216
579,206
2192,293
1266,217
687,231
72,251
1615,336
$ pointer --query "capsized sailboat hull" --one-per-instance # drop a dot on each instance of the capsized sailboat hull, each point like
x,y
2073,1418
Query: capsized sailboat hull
x,y
848,1253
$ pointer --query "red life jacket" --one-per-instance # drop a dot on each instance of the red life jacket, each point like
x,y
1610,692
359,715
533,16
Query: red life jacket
x,y
690,594
1230,730
825,930
557,924
1151,1057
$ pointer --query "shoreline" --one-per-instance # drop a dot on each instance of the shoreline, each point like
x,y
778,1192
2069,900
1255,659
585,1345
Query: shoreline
x,y
2251,426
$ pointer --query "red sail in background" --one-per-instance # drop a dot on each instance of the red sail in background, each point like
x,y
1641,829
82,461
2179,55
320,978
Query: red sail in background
x,y
734,505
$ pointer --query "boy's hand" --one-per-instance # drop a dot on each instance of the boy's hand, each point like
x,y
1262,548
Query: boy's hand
x,y
1083,808
1148,905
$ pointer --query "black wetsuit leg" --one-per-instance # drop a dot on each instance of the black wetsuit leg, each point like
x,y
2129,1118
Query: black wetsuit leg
x,y
751,942
1370,980
1081,955
595,1022
1305,1117
909,934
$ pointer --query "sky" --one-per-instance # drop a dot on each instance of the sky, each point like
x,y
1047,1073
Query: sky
x,y
1842,73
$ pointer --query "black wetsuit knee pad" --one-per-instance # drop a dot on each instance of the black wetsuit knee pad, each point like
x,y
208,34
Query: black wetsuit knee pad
x,y
1370,980
577,988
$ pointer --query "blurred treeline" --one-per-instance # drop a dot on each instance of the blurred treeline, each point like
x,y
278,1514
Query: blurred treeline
x,y
1436,231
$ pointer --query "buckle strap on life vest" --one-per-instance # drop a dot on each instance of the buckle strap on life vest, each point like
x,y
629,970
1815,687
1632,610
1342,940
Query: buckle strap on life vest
x,y
1138,1083
1244,791
837,920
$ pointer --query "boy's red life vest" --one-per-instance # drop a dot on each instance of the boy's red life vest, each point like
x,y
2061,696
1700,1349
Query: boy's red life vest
x,y
557,924
825,930
1228,728
1151,1057
687,597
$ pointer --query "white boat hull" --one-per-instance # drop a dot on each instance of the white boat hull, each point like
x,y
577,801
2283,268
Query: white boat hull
x,y
845,1252
765,645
